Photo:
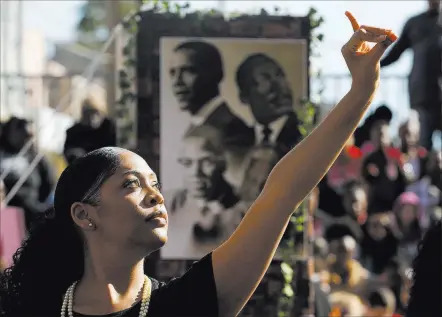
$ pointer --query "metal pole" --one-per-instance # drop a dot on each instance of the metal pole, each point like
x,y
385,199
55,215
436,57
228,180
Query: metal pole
x,y
304,266
19,48
113,14
5,8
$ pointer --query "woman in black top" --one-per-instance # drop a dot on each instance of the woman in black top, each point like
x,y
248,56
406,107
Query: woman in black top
x,y
109,215
426,290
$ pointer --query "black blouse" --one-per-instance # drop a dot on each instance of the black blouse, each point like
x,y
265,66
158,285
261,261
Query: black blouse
x,y
191,295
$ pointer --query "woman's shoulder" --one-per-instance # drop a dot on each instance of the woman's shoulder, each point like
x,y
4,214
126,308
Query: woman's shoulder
x,y
192,294
200,270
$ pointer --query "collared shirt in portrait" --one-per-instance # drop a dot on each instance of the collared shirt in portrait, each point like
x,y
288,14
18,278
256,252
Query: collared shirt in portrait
x,y
276,128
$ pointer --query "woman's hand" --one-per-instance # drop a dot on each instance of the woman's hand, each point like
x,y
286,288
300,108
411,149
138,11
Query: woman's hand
x,y
362,59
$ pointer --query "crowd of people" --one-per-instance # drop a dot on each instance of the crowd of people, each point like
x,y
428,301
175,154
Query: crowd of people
x,y
373,207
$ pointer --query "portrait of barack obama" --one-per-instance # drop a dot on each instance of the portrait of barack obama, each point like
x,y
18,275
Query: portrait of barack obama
x,y
196,71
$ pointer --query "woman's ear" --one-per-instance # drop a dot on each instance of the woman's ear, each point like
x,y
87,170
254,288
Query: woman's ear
x,y
81,217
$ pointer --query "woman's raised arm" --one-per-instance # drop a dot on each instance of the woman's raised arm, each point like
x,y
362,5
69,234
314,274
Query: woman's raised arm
x,y
240,263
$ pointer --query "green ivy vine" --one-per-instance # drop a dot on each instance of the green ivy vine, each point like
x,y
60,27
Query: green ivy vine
x,y
291,255
306,114
126,105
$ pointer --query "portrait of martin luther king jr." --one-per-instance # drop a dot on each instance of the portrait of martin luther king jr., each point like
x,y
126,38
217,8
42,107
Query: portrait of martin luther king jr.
x,y
196,71
263,86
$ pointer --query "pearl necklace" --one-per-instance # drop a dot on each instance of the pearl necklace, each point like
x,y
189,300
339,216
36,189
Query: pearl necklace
x,y
68,299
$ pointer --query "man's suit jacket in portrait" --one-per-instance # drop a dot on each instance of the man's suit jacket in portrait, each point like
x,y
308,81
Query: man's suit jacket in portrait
x,y
284,136
235,132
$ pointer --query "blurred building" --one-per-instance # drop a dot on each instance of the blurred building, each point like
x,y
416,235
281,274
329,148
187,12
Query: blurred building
x,y
11,59
24,89
68,81
32,85
23,65
68,77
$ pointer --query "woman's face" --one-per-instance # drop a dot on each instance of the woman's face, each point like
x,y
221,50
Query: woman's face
x,y
379,133
127,199
355,203
410,135
376,229
407,214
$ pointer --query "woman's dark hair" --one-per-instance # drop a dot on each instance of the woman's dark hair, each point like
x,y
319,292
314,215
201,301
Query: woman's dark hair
x,y
354,184
426,291
51,258
8,128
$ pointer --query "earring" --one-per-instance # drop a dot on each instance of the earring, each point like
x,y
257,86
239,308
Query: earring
x,y
90,225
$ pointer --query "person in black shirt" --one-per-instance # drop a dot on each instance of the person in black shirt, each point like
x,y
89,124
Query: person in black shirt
x,y
92,132
426,290
87,257
379,244
33,195
362,133
424,36
385,178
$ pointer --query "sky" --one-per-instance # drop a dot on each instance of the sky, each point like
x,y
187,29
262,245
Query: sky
x,y
60,26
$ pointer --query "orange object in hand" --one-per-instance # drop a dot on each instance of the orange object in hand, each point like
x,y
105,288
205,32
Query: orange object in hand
x,y
355,25
393,37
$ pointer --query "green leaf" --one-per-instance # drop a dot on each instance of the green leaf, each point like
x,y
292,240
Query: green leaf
x,y
311,111
166,5
288,291
124,84
133,27
303,131
264,12
177,8
127,50
235,14
123,74
287,271
312,11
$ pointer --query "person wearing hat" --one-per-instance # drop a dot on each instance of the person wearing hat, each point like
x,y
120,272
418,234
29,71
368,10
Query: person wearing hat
x,y
362,133
382,171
